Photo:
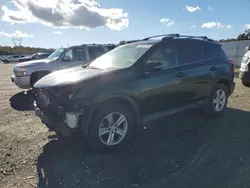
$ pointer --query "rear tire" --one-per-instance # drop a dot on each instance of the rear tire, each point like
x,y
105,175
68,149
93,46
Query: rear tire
x,y
106,133
217,101
246,84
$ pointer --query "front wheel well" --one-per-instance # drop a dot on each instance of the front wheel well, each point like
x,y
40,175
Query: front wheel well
x,y
35,76
127,102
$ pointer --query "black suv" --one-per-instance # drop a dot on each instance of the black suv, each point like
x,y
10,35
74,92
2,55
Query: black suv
x,y
134,84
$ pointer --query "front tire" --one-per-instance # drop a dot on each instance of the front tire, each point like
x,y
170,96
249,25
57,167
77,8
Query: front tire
x,y
112,127
217,101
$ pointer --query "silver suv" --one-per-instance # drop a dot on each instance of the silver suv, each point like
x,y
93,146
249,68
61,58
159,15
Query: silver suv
x,y
26,74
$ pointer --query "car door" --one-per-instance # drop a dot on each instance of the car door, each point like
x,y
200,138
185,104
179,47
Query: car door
x,y
72,57
163,89
199,68
14,58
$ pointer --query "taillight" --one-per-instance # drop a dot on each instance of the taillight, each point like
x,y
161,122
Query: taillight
x,y
230,61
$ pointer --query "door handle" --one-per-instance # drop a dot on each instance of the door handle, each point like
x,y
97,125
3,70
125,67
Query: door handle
x,y
213,68
180,74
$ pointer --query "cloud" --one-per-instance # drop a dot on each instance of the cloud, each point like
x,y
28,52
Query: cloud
x,y
192,9
16,34
247,26
218,25
57,32
192,26
65,14
210,9
167,22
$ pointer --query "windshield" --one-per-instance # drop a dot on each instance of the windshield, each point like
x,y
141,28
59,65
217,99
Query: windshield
x,y
120,57
57,53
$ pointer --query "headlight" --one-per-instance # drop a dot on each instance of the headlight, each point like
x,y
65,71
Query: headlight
x,y
20,72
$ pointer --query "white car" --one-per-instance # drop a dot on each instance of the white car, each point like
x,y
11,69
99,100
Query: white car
x,y
12,58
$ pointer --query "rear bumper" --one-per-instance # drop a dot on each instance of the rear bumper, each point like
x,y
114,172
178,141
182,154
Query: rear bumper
x,y
232,88
245,76
21,82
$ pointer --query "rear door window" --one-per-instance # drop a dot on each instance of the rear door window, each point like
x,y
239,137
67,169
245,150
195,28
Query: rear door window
x,y
80,54
191,51
95,51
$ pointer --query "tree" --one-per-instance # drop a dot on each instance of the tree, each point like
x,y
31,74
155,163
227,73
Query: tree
x,y
122,42
7,50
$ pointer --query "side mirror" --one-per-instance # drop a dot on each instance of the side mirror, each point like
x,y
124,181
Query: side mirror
x,y
66,58
153,65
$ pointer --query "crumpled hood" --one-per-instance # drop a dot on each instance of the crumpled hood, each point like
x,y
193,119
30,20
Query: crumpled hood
x,y
67,77
34,62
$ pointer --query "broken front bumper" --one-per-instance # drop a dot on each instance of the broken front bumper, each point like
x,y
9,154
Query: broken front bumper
x,y
55,117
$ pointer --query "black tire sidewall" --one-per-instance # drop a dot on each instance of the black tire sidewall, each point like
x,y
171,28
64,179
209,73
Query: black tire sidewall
x,y
246,84
93,135
210,108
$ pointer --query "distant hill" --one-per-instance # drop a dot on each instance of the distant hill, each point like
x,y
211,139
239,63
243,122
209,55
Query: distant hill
x,y
7,50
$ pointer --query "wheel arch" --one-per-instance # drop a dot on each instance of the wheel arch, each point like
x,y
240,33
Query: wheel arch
x,y
223,81
122,99
36,73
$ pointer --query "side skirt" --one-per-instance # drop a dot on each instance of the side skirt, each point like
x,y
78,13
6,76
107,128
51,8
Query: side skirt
x,y
159,115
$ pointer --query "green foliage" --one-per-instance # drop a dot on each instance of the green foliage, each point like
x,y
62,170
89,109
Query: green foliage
x,y
7,50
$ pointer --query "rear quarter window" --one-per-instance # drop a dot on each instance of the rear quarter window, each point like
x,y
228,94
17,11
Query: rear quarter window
x,y
215,51
191,51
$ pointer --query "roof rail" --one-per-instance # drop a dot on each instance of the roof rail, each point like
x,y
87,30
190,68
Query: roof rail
x,y
94,44
176,35
163,35
189,36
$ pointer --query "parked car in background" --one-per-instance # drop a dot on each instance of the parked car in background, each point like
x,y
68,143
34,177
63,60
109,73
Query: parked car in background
x,y
133,85
12,58
245,69
27,73
35,56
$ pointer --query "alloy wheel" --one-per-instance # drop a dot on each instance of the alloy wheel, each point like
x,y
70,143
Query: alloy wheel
x,y
219,100
113,129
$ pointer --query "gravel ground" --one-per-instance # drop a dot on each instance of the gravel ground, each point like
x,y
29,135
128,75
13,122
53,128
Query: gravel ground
x,y
187,150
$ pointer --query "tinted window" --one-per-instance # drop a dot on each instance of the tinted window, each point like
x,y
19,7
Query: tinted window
x,y
212,50
43,56
166,54
191,50
95,52
215,50
15,56
79,54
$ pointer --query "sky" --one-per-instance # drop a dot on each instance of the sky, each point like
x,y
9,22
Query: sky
x,y
55,23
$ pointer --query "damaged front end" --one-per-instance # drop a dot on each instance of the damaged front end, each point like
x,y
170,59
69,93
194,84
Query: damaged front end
x,y
57,110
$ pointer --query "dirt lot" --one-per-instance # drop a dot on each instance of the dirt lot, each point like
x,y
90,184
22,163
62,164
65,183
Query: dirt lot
x,y
188,150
